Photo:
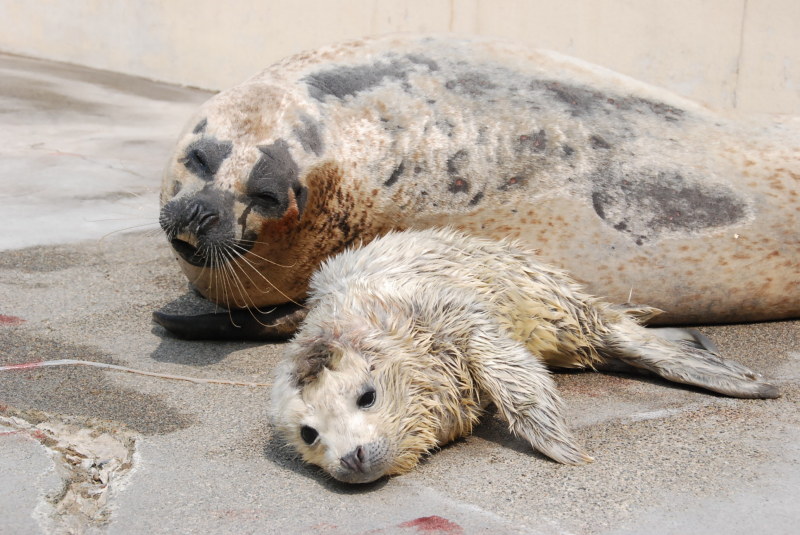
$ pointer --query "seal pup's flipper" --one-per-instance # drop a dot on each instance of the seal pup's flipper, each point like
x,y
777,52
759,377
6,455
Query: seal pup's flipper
x,y
690,336
689,359
525,395
280,323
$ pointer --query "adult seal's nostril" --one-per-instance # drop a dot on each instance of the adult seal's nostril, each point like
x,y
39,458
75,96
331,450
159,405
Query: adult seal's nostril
x,y
192,216
201,227
204,220
355,460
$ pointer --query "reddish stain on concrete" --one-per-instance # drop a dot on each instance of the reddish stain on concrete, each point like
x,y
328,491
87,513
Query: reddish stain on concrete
x,y
10,320
38,435
25,366
433,524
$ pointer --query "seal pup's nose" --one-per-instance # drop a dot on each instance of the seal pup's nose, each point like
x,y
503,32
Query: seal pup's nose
x,y
355,460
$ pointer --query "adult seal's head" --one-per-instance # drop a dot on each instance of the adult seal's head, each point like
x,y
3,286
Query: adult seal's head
x,y
248,202
630,188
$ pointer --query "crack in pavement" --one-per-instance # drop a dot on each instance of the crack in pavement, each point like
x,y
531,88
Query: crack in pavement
x,y
94,459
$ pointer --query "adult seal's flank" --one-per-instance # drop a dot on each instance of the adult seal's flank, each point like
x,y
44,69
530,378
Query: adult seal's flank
x,y
628,187
410,337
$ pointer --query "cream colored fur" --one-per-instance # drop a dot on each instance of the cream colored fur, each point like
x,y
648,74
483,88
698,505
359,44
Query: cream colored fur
x,y
439,325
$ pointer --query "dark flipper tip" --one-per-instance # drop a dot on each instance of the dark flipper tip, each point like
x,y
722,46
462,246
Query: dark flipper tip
x,y
768,391
278,324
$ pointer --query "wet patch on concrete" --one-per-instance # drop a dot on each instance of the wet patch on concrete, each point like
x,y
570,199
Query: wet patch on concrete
x,y
45,259
114,82
77,390
43,96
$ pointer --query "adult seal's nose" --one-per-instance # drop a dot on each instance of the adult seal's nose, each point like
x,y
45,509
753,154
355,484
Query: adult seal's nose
x,y
197,225
192,216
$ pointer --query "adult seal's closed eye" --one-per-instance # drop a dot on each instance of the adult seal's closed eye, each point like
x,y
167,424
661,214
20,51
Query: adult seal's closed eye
x,y
410,337
630,188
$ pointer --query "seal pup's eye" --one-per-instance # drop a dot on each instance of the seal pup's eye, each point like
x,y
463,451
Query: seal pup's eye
x,y
308,434
367,399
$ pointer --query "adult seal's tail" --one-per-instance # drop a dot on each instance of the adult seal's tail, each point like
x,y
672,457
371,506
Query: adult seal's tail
x,y
633,190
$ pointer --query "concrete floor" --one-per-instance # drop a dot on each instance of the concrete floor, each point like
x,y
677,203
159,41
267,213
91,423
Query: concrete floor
x,y
92,450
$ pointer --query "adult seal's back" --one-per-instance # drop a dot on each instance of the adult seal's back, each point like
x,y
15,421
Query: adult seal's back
x,y
633,190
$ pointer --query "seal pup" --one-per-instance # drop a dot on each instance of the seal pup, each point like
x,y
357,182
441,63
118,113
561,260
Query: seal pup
x,y
626,186
410,337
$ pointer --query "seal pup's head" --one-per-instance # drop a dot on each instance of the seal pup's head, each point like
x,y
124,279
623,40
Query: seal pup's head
x,y
363,398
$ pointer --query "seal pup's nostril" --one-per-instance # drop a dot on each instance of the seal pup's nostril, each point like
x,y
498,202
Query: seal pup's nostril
x,y
355,460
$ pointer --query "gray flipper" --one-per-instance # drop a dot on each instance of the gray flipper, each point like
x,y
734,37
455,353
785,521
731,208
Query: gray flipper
x,y
692,337
681,356
278,324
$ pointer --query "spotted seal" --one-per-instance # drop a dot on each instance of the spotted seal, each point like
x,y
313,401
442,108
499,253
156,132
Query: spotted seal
x,y
409,337
634,190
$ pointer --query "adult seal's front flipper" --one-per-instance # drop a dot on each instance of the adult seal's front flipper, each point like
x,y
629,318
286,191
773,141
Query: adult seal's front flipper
x,y
279,323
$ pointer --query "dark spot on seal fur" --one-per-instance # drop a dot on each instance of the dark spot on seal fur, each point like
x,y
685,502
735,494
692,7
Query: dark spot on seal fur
x,y
476,199
204,156
599,143
587,101
274,175
455,169
200,127
308,135
396,174
513,182
457,162
419,59
568,151
458,185
536,142
349,81
446,127
646,204
474,84
310,365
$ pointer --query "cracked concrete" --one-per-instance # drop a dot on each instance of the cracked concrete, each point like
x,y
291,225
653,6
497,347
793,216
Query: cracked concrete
x,y
93,460
88,450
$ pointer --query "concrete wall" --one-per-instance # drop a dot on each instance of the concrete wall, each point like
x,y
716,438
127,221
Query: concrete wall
x,y
734,54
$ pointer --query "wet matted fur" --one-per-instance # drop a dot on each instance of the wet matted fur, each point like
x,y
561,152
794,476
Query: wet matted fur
x,y
410,337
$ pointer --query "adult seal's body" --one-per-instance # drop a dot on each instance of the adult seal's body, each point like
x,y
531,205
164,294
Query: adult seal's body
x,y
633,190
408,338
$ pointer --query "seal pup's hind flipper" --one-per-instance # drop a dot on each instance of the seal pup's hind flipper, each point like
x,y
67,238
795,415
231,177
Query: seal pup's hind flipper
x,y
689,359
278,324
690,336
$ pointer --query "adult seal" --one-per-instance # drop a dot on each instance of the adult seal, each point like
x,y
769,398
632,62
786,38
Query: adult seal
x,y
410,337
635,191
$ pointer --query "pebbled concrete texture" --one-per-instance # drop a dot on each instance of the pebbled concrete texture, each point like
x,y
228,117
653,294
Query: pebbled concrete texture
x,y
93,450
